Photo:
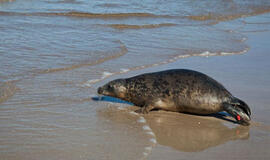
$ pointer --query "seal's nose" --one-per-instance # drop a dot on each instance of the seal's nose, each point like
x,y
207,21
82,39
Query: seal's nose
x,y
99,90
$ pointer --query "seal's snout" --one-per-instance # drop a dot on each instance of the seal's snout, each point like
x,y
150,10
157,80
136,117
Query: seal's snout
x,y
243,119
100,90
239,110
243,112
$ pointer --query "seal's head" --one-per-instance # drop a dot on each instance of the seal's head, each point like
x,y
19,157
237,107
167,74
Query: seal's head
x,y
239,110
116,88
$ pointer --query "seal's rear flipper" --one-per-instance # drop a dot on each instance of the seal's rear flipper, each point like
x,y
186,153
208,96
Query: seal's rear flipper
x,y
238,113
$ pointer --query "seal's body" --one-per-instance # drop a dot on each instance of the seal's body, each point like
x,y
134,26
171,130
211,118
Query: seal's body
x,y
178,90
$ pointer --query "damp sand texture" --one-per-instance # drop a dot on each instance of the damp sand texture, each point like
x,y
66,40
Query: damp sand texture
x,y
55,53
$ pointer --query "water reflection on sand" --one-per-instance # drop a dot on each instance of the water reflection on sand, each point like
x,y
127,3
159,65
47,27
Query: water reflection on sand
x,y
183,132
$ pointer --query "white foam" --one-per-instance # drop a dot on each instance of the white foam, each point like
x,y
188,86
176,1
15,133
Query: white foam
x,y
145,154
143,67
207,54
148,148
153,140
85,85
244,39
93,81
141,120
134,113
90,82
123,70
151,133
244,51
106,74
121,108
146,127
226,53
184,56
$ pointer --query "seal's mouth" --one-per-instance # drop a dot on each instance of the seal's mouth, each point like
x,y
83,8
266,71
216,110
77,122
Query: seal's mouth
x,y
242,118
240,111
103,91
242,114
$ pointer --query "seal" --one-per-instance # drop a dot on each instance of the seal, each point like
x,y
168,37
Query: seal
x,y
178,90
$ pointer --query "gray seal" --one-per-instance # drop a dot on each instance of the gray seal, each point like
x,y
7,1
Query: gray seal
x,y
178,90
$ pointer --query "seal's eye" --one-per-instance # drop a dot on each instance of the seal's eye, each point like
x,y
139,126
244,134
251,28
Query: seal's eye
x,y
110,87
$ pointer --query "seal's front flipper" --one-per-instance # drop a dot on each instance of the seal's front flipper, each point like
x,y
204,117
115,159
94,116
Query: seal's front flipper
x,y
145,109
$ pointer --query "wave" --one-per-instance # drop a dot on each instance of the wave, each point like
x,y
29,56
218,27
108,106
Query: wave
x,y
123,51
7,90
256,31
106,75
228,17
111,5
147,26
104,15
65,2
204,17
211,16
87,15
2,1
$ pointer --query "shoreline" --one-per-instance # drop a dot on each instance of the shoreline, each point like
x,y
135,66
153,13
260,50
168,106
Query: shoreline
x,y
243,65
246,76
50,110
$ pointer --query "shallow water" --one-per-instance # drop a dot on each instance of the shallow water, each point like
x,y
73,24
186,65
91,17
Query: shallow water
x,y
54,54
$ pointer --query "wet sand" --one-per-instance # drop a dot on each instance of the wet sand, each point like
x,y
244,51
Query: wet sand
x,y
48,103
247,76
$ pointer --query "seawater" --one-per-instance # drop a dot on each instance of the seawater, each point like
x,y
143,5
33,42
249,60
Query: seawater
x,y
53,52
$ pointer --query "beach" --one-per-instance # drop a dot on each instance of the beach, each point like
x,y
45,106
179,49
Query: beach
x,y
243,77
181,136
55,54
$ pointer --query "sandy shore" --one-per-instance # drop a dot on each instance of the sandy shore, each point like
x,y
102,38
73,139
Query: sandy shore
x,y
50,109
246,76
